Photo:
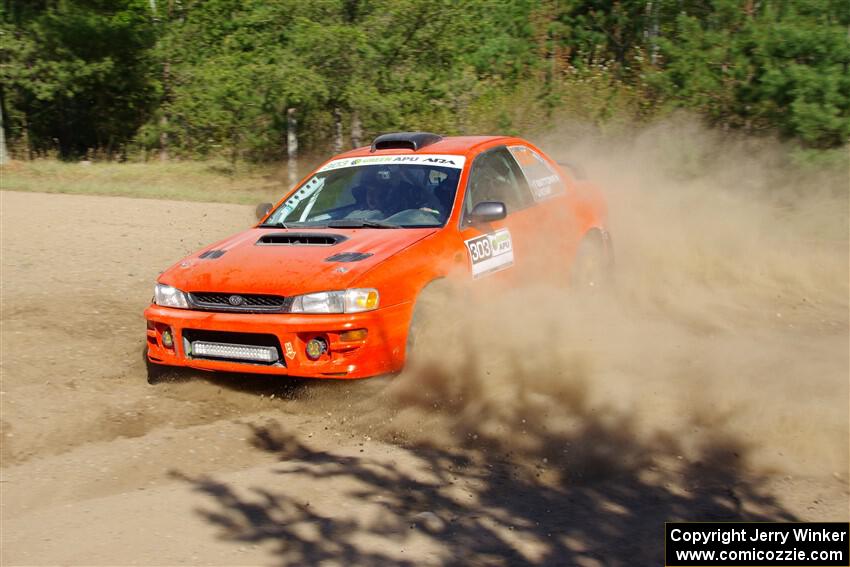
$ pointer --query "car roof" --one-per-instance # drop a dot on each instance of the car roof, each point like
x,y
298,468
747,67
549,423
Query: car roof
x,y
451,145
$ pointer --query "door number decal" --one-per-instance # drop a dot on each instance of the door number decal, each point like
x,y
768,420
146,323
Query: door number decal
x,y
490,252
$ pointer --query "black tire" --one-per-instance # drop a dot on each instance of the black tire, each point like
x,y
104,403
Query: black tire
x,y
156,372
593,263
432,303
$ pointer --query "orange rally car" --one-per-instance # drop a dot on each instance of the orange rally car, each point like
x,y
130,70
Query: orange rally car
x,y
326,285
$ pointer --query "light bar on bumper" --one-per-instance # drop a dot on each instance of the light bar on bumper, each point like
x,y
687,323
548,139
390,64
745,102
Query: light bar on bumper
x,y
207,349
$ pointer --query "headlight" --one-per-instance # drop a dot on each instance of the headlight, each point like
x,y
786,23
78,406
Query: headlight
x,y
168,296
348,301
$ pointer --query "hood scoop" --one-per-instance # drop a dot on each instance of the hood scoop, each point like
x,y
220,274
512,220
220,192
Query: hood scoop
x,y
212,254
348,257
300,239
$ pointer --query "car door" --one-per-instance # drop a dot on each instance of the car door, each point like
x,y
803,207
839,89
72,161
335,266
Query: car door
x,y
554,228
504,249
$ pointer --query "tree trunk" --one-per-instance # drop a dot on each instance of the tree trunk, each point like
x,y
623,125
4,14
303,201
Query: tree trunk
x,y
356,130
337,130
4,155
26,135
163,138
166,93
292,146
651,31
163,120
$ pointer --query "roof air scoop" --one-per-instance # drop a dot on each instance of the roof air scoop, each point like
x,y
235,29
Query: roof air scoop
x,y
404,141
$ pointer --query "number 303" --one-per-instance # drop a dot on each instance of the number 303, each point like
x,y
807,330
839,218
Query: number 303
x,y
480,249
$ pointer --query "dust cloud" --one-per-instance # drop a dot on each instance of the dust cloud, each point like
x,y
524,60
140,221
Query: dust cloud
x,y
723,336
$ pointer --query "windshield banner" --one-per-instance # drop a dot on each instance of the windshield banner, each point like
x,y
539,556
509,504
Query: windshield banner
x,y
424,159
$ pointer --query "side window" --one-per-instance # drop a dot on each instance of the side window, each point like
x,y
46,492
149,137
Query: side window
x,y
543,180
495,176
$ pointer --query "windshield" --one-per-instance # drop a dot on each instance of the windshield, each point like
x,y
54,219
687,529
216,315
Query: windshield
x,y
375,192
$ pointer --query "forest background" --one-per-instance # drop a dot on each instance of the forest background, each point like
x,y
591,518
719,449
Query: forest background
x,y
252,81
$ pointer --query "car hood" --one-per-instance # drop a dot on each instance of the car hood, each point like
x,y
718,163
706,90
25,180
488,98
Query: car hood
x,y
240,264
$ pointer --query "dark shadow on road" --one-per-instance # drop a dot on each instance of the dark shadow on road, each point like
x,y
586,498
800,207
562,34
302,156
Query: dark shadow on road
x,y
593,494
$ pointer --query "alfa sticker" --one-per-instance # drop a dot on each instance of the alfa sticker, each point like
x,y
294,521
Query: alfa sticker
x,y
490,252
455,162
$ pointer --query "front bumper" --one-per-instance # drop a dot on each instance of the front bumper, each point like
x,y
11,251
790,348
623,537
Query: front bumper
x,y
380,352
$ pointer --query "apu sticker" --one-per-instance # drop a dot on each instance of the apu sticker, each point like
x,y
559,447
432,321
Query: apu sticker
x,y
490,252
290,352
441,160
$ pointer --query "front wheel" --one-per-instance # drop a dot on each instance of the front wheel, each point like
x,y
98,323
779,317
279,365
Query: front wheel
x,y
156,373
429,319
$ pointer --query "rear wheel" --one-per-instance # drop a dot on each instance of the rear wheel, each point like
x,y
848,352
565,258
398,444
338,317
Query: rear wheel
x,y
593,262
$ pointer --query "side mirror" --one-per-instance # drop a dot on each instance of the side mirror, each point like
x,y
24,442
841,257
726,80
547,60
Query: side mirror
x,y
488,211
263,209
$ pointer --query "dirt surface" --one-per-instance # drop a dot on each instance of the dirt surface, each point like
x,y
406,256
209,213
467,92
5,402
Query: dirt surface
x,y
645,409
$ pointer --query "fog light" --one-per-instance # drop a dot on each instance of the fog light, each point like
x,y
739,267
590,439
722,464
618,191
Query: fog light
x,y
355,335
167,338
316,347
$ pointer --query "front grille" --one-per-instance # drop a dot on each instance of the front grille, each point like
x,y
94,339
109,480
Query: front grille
x,y
243,302
256,348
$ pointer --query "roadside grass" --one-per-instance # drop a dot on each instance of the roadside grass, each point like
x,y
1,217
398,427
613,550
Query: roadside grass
x,y
209,181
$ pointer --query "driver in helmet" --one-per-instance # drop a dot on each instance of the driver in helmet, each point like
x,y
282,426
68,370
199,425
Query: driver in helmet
x,y
371,196
385,191
406,192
